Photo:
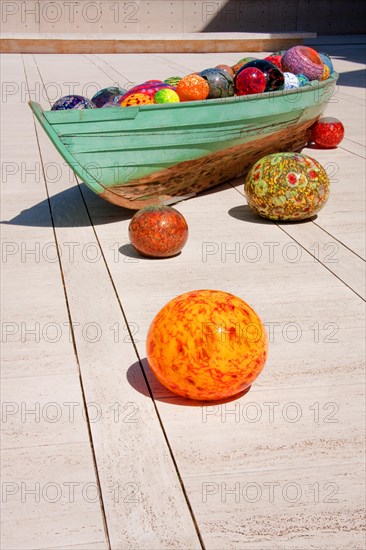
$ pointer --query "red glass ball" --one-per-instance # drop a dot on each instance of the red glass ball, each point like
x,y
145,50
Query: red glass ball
x,y
250,81
276,59
328,132
158,231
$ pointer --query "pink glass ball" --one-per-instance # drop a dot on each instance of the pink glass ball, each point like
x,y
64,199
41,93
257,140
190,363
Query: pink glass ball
x,y
328,132
304,60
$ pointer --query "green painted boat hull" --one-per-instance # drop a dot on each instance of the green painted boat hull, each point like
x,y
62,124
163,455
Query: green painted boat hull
x,y
152,154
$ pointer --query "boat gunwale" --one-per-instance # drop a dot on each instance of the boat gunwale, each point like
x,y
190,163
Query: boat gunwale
x,y
91,115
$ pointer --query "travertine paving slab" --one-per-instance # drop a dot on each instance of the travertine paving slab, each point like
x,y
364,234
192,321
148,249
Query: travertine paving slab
x,y
50,498
43,449
132,455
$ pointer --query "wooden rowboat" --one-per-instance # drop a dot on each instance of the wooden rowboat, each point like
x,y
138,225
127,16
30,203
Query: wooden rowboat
x,y
153,154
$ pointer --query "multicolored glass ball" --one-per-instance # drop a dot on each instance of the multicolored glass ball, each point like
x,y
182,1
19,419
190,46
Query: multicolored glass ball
x,y
165,95
173,80
206,345
107,95
72,102
220,83
250,81
287,187
227,69
158,231
241,63
192,88
273,75
327,132
291,81
136,99
304,60
148,88
303,80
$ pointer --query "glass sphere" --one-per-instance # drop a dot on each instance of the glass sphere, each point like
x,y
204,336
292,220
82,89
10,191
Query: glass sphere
x,y
206,345
287,187
327,132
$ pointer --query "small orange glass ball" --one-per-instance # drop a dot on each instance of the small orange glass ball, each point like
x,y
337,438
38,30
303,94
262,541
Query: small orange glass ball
x,y
192,88
206,345
158,231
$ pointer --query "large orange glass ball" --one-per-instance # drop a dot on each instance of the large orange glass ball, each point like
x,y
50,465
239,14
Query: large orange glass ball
x,y
206,345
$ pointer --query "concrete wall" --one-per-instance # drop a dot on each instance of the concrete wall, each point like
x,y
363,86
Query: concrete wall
x,y
152,16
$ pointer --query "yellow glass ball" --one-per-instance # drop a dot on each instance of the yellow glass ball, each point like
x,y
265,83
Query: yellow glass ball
x,y
326,73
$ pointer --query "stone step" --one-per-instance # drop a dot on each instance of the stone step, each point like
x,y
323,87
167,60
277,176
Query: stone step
x,y
150,43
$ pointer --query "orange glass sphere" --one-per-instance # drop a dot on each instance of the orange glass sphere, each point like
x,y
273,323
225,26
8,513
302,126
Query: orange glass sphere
x,y
206,345
192,88
158,231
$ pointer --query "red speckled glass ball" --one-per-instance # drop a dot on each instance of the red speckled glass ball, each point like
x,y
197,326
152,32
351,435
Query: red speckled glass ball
x,y
158,231
206,345
328,132
250,81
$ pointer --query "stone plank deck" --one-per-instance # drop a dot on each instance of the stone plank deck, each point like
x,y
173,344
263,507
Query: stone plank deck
x,y
96,454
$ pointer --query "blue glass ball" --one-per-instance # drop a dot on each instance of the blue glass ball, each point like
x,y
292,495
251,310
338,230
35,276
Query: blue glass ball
x,y
72,102
327,61
303,80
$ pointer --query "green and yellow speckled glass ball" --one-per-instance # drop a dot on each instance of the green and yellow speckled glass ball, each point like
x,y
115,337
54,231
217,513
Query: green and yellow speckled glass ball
x,y
165,95
287,187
